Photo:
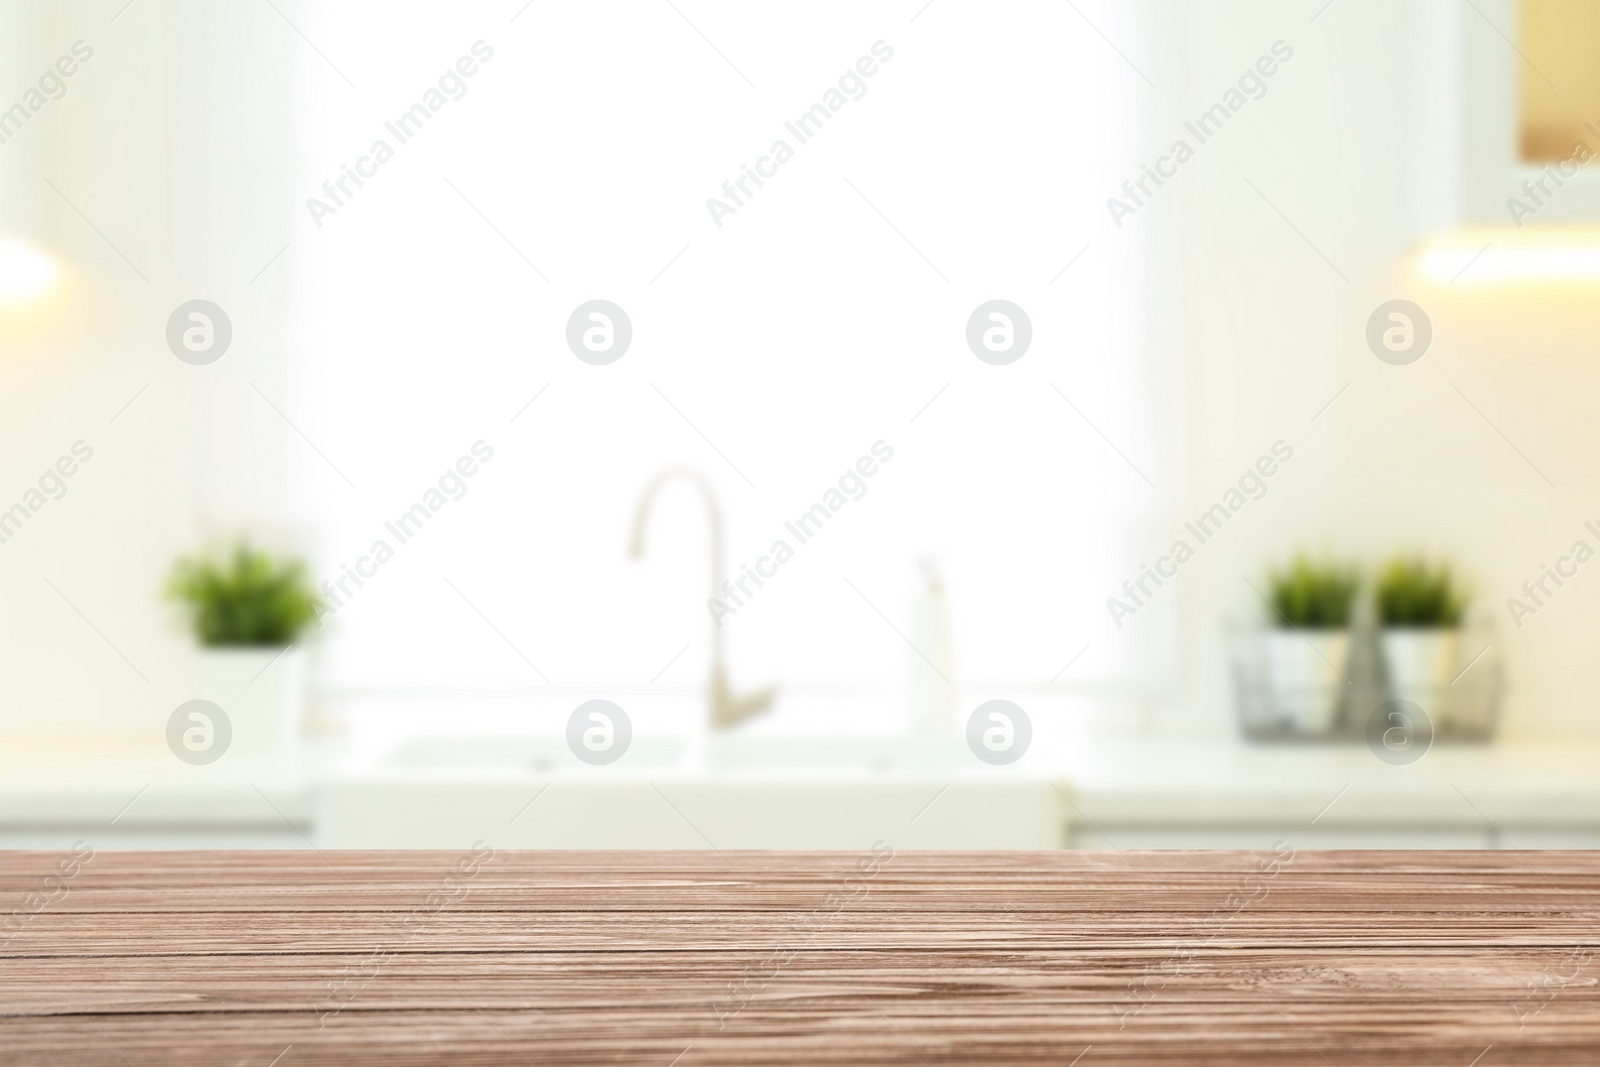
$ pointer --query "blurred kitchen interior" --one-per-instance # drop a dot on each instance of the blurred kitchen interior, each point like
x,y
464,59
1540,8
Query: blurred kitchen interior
x,y
1392,154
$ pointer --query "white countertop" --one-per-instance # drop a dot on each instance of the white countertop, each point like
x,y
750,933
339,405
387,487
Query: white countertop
x,y
140,790
1114,779
1550,781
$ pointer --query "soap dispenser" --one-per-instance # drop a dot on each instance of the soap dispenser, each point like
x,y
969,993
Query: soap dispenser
x,y
931,675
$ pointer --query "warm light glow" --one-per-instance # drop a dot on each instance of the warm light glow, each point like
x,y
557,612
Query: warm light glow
x,y
1496,256
26,273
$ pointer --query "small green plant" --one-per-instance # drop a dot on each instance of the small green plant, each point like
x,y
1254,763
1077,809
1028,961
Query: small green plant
x,y
1416,594
1312,596
243,597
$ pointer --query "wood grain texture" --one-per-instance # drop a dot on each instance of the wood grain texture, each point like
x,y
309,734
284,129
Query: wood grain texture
x,y
800,958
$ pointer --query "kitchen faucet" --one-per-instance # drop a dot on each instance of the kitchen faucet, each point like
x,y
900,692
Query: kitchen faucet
x,y
727,709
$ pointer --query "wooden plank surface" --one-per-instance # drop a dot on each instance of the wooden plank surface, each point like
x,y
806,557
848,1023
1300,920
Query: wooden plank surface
x,y
799,958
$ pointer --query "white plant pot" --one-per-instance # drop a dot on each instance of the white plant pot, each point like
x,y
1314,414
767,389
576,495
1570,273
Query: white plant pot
x,y
261,691
1305,674
1421,662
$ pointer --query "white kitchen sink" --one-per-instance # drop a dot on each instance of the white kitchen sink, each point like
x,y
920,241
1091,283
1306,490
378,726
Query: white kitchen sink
x,y
734,791
882,754
515,755
851,754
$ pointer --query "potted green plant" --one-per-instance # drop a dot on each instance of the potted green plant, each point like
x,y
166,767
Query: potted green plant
x,y
1420,607
1308,643
248,610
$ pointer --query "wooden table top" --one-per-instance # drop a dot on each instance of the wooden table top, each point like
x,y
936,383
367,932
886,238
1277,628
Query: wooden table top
x,y
690,958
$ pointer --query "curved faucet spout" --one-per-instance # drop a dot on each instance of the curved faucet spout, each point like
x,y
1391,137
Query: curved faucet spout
x,y
727,709
641,518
